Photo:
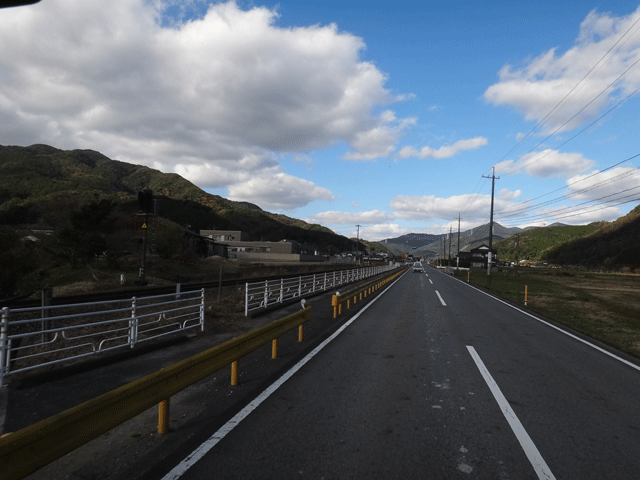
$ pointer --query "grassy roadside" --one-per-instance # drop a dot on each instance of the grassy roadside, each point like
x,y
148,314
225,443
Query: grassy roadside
x,y
606,307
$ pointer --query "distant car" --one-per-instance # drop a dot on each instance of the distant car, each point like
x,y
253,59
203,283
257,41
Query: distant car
x,y
417,267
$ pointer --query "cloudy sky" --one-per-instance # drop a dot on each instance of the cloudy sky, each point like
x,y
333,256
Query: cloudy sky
x,y
388,115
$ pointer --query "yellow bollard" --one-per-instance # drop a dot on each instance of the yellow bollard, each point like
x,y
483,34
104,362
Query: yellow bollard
x,y
234,373
301,333
525,295
274,348
334,304
348,303
163,417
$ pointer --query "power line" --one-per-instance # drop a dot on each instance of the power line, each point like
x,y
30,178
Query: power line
x,y
569,93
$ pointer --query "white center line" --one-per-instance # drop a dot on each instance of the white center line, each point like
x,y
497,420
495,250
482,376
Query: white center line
x,y
539,465
441,300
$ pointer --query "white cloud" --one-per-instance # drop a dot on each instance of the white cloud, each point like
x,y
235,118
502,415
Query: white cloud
x,y
544,81
506,194
382,231
430,207
278,192
347,218
202,97
613,186
547,163
445,151
380,140
575,215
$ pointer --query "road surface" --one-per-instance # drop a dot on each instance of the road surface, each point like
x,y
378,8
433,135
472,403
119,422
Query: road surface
x,y
434,379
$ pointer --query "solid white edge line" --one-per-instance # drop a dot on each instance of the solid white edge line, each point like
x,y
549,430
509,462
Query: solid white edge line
x,y
203,449
441,300
531,451
575,337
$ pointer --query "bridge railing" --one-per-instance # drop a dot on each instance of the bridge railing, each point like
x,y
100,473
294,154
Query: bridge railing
x,y
36,337
267,293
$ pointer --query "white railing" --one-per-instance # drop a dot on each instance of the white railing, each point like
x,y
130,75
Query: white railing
x,y
270,292
35,337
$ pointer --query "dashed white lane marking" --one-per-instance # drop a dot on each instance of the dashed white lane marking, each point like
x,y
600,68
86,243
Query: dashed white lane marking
x,y
203,449
441,300
430,282
539,465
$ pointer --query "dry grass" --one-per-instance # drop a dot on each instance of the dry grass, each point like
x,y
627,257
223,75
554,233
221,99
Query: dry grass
x,y
605,307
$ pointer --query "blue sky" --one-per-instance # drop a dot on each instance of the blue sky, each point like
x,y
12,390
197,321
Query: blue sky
x,y
387,115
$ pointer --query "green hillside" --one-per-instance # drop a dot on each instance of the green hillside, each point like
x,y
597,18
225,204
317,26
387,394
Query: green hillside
x,y
532,244
613,246
88,201
38,183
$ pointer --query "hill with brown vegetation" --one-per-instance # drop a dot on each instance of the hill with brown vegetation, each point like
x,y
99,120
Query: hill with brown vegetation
x,y
84,198
613,246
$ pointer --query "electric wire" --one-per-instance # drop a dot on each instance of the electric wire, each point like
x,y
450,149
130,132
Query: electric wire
x,y
565,123
541,122
511,212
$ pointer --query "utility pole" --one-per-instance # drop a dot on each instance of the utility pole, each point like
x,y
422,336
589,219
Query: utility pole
x,y
458,256
517,252
449,260
493,183
358,246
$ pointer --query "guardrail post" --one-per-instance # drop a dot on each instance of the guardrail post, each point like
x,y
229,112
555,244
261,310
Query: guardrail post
x,y
163,417
4,327
133,324
246,299
234,373
274,349
266,293
281,298
177,291
299,287
202,310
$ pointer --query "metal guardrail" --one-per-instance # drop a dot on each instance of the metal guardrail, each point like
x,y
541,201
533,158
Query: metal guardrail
x,y
358,292
271,292
34,337
27,450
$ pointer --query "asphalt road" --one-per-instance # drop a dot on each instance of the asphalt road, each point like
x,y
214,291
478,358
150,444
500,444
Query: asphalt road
x,y
434,379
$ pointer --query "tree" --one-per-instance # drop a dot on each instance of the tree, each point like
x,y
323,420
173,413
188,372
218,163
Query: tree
x,y
84,237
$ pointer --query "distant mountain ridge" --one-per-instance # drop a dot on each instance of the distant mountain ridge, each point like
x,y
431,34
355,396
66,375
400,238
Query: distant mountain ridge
x,y
39,181
432,244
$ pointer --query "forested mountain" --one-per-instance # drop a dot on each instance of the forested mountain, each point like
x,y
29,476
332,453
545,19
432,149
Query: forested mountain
x,y
41,184
534,243
614,245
